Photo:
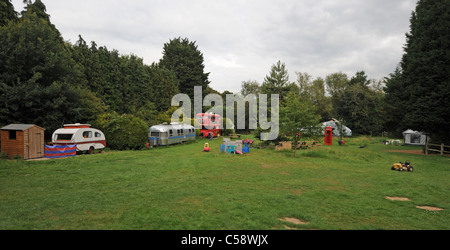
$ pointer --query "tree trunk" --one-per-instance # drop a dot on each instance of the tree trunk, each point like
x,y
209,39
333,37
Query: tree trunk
x,y
295,146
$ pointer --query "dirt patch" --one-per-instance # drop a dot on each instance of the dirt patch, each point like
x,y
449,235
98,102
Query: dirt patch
x,y
397,198
416,152
430,208
294,221
290,228
39,159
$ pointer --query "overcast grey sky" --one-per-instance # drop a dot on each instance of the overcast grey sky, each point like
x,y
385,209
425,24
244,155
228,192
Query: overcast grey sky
x,y
241,39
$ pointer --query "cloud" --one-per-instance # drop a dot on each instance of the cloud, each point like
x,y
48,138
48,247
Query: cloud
x,y
241,39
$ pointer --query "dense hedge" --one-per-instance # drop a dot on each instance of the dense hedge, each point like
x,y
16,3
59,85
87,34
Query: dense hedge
x,y
123,132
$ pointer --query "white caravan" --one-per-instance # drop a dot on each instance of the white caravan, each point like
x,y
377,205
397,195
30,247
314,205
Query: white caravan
x,y
86,138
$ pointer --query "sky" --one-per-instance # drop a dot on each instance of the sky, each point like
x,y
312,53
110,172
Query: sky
x,y
242,39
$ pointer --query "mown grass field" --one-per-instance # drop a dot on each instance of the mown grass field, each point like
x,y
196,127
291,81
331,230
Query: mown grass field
x,y
180,187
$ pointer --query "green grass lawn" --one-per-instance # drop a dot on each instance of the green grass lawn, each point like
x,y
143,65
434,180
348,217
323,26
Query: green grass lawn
x,y
181,187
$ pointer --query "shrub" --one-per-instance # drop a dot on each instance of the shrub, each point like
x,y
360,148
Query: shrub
x,y
123,132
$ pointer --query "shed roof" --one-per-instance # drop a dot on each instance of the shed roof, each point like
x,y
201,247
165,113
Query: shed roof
x,y
19,127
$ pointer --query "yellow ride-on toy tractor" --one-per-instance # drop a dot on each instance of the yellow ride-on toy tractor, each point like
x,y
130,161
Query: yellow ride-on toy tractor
x,y
206,148
403,166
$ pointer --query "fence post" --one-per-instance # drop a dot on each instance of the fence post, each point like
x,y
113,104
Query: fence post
x,y
426,148
442,148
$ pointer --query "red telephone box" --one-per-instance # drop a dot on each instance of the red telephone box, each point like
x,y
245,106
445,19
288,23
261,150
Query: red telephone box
x,y
328,136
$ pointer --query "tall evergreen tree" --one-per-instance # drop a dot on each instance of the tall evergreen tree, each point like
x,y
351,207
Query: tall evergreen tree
x,y
7,12
277,82
424,86
185,59
36,74
123,82
39,8
33,48
164,84
360,78
393,101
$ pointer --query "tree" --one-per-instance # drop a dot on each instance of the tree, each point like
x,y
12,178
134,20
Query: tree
x,y
297,116
185,59
104,73
37,83
336,83
7,12
277,82
361,108
32,48
423,86
304,82
48,106
393,101
165,86
314,91
250,87
124,82
360,78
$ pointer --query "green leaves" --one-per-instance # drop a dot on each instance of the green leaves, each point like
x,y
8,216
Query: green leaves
x,y
47,81
298,115
7,12
361,108
36,83
277,82
184,59
422,86
123,132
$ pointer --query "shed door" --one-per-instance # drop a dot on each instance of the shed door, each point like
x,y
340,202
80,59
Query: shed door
x,y
35,148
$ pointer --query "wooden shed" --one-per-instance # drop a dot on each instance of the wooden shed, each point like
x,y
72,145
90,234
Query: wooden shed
x,y
23,140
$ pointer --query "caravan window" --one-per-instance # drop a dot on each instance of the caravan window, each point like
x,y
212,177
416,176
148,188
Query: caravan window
x,y
171,133
154,134
64,137
87,134
97,134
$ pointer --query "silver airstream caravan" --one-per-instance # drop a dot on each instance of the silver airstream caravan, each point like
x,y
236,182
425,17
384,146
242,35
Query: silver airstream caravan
x,y
167,134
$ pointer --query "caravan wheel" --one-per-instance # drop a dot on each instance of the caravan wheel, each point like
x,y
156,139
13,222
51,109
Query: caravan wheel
x,y
91,150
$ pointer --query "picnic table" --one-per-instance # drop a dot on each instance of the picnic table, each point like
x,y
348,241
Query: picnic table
x,y
235,136
308,144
